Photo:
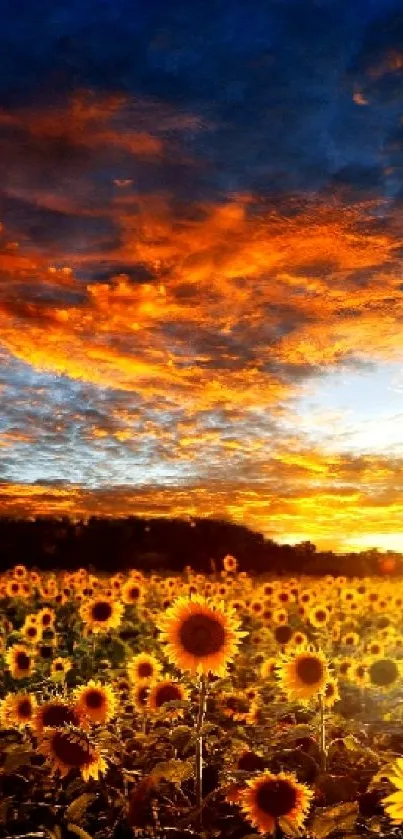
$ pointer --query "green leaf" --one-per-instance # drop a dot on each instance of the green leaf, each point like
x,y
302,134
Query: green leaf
x,y
341,817
16,756
173,770
288,827
78,807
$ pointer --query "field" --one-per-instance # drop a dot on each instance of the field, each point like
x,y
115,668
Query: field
x,y
217,706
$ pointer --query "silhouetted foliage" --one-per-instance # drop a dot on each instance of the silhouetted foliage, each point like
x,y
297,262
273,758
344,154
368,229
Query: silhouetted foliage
x,y
170,544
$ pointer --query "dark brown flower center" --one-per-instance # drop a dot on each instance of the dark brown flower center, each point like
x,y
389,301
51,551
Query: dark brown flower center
x,y
329,690
101,611
167,693
46,619
250,762
145,669
383,672
202,635
94,699
134,593
276,798
283,634
46,651
142,694
23,661
32,631
75,752
309,670
58,665
57,715
25,709
320,615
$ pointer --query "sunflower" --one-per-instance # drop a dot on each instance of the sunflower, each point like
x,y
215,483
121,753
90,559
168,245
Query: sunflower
x,y
68,749
56,714
17,710
359,673
132,592
280,616
143,667
256,608
139,696
167,691
383,673
350,639
101,614
268,798
20,661
32,632
229,563
46,617
20,571
96,701
343,667
299,639
199,637
60,666
375,649
331,692
303,675
393,804
14,588
318,616
268,668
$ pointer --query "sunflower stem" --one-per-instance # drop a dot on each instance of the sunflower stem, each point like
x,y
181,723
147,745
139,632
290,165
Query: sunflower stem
x,y
322,733
199,744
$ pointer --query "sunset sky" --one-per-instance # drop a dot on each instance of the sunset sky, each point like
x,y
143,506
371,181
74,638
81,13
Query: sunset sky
x,y
201,286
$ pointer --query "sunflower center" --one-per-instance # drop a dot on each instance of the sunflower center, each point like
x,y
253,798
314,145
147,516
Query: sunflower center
x,y
309,670
320,615
145,670
102,611
46,619
32,631
277,798
383,672
23,661
94,699
250,762
142,695
167,693
202,635
55,716
134,593
25,709
283,634
46,651
71,752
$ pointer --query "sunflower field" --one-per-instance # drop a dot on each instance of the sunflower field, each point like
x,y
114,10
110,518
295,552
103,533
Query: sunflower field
x,y
195,705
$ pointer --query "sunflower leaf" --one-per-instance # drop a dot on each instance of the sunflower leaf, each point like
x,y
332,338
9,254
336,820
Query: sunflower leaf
x,y
341,817
173,770
78,807
16,757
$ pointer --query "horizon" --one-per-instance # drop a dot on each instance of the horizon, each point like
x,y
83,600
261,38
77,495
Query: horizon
x,y
201,288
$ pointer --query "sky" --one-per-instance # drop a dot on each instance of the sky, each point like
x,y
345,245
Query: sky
x,y
201,286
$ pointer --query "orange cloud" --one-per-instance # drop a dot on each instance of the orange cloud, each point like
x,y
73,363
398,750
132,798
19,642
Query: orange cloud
x,y
207,323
